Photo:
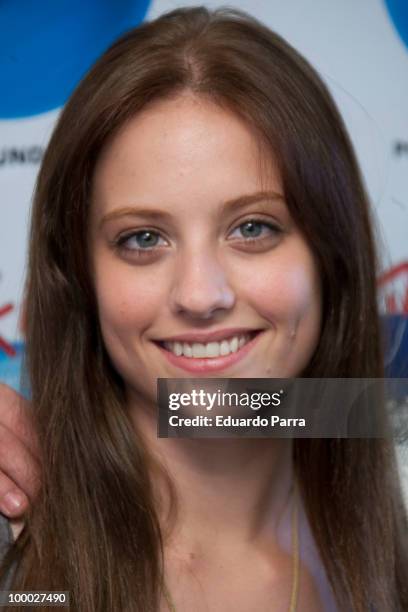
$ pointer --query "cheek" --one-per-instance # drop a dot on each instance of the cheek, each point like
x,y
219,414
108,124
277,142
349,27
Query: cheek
x,y
285,289
127,302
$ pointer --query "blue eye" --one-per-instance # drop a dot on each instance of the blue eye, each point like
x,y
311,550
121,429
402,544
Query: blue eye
x,y
253,229
146,242
143,240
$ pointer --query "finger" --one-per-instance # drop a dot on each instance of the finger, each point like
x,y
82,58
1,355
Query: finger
x,y
18,463
13,501
16,415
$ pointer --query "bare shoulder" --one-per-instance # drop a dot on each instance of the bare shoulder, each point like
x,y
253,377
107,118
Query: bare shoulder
x,y
309,599
16,526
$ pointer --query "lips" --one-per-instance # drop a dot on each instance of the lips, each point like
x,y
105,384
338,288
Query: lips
x,y
214,336
209,364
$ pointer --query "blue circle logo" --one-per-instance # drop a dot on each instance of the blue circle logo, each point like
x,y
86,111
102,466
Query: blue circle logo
x,y
48,46
398,10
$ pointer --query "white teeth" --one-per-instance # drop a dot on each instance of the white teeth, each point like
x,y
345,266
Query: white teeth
x,y
178,349
224,348
234,344
199,350
211,349
187,350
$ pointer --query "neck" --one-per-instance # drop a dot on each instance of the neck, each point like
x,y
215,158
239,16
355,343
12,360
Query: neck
x,y
237,487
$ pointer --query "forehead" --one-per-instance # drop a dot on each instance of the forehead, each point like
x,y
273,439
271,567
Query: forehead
x,y
181,152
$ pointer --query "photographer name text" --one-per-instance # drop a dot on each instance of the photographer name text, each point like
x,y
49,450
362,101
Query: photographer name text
x,y
229,421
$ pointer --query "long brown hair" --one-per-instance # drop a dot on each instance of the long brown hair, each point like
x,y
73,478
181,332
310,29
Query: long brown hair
x,y
94,529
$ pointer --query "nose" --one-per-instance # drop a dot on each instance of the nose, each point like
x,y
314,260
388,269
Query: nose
x,y
201,287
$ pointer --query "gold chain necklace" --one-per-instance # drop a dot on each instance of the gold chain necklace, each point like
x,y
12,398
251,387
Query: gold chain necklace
x,y
295,560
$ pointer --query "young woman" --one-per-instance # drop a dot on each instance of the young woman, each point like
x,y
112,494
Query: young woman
x,y
200,193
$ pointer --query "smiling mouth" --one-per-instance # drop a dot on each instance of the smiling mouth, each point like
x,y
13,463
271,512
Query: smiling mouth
x,y
209,350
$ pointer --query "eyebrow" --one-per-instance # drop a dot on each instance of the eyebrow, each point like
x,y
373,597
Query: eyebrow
x,y
234,203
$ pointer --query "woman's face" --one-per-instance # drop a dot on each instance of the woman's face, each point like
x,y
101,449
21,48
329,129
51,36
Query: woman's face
x,y
186,240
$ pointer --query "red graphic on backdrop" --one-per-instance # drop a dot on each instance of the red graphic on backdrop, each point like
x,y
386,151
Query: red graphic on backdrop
x,y
393,286
4,345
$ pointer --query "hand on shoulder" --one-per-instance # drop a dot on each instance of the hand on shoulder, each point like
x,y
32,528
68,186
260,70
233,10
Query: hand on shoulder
x,y
19,454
